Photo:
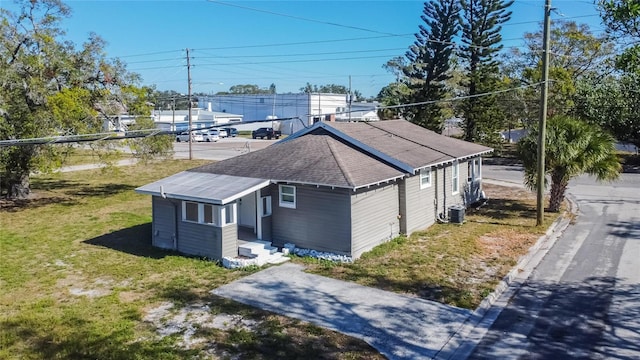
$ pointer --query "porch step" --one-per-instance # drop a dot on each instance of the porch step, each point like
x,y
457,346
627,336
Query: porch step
x,y
256,248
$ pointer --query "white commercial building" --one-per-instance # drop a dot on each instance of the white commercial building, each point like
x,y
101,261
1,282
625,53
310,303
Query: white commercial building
x,y
296,110
200,118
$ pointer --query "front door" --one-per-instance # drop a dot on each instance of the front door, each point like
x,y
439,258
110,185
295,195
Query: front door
x,y
247,211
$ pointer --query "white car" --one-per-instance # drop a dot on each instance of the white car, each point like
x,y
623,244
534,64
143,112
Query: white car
x,y
195,136
222,133
211,136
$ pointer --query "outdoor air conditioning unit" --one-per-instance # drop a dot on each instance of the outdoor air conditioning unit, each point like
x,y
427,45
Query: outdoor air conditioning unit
x,y
456,214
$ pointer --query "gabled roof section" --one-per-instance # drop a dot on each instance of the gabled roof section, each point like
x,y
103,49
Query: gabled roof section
x,y
401,143
331,129
318,158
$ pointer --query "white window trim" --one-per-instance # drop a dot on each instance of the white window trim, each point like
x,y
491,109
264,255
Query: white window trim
x,y
287,204
218,214
266,208
475,170
184,212
424,173
223,214
455,178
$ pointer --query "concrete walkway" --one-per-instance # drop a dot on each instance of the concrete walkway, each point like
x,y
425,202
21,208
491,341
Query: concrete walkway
x,y
400,327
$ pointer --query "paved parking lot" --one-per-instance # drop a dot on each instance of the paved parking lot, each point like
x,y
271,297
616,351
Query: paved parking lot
x,y
220,150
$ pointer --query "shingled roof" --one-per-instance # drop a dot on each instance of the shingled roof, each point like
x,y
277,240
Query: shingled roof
x,y
407,143
318,158
348,155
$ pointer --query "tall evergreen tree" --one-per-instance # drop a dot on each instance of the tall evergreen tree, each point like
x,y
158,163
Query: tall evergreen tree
x,y
481,25
429,61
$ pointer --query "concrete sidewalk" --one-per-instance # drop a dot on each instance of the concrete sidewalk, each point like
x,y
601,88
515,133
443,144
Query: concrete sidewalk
x,y
400,327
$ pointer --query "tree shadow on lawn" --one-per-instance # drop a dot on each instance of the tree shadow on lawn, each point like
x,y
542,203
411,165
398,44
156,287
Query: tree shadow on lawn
x,y
70,191
77,188
135,240
82,339
101,190
500,209
33,202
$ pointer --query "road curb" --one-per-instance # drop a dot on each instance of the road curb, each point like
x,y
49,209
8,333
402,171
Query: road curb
x,y
462,343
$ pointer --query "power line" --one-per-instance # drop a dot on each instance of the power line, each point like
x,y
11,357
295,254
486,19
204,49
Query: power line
x,y
299,54
458,98
301,18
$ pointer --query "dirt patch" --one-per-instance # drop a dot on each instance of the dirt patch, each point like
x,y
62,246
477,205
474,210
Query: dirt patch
x,y
190,319
78,285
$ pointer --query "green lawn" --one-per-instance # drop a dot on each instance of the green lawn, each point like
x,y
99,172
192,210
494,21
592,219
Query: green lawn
x,y
80,280
451,263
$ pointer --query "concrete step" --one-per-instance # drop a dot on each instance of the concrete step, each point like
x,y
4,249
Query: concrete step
x,y
256,248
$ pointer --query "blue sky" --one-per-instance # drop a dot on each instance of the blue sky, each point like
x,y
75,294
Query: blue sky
x,y
288,43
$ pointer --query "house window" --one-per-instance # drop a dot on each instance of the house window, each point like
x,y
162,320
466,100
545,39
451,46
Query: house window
x,y
208,214
475,169
266,206
228,214
190,211
455,177
425,178
288,196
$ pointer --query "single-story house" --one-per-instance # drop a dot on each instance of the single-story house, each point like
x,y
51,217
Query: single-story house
x,y
336,187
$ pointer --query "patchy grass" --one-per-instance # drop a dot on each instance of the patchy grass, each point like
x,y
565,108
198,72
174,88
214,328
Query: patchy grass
x,y
451,263
86,155
80,279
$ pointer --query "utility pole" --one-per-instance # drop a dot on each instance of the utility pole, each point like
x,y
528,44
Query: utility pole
x,y
349,98
173,120
189,87
543,115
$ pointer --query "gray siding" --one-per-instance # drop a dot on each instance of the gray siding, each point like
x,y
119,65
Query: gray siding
x,y
374,217
200,240
163,223
229,241
443,187
266,228
420,209
402,209
320,221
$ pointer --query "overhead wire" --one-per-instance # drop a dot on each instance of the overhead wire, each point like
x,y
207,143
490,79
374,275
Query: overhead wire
x,y
155,132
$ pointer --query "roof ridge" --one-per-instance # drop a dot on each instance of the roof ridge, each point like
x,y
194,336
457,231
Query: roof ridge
x,y
336,156
415,142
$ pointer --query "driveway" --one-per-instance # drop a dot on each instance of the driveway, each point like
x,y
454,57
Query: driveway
x,y
400,327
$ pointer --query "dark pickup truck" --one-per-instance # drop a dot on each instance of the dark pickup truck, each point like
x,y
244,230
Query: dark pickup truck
x,y
265,132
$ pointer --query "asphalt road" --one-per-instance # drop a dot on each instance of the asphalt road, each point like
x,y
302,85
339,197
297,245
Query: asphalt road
x,y
583,299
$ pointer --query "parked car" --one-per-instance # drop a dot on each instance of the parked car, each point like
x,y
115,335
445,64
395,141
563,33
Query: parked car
x,y
195,136
222,132
232,132
211,135
265,132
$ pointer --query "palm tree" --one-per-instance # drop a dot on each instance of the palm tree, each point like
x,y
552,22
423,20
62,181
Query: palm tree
x,y
573,148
